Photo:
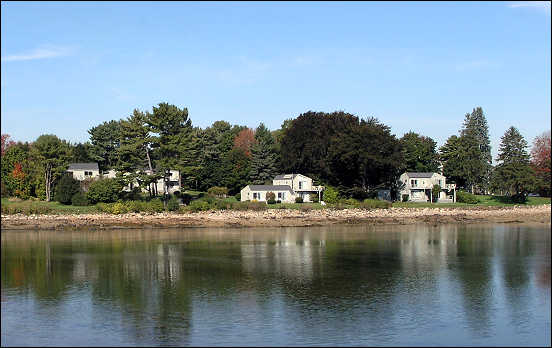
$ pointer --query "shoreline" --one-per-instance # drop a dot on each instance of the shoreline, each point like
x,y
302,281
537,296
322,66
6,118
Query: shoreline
x,y
282,218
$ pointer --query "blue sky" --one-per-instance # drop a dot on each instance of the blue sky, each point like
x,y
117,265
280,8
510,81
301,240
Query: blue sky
x,y
67,67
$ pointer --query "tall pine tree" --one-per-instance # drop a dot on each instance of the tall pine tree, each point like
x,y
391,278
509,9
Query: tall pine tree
x,y
171,139
513,175
263,157
475,125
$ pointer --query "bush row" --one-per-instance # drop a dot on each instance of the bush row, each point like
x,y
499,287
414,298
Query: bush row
x,y
153,206
26,208
465,197
365,204
205,204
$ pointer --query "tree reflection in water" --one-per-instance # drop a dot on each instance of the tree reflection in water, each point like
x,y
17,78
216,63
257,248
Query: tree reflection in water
x,y
356,284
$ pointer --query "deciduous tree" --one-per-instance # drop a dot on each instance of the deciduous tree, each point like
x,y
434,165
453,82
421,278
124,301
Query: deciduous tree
x,y
540,160
53,156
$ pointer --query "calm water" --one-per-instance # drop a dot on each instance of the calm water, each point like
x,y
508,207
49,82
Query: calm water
x,y
336,285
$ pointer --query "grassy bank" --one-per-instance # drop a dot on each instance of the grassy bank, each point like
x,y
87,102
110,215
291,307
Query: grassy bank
x,y
484,201
11,206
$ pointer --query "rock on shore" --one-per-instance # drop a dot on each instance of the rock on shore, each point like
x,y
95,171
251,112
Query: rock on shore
x,y
283,217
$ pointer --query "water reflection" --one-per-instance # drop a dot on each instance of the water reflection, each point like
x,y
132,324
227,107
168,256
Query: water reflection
x,y
345,285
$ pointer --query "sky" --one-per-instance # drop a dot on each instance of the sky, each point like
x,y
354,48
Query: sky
x,y
67,67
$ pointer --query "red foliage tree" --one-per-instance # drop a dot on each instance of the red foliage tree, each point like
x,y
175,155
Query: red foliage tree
x,y
6,143
540,159
244,140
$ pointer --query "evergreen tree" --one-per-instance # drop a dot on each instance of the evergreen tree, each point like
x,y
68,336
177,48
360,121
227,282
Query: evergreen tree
x,y
172,139
513,175
135,148
462,161
105,142
263,157
475,125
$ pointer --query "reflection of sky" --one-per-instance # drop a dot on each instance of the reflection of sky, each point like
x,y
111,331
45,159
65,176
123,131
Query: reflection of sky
x,y
353,285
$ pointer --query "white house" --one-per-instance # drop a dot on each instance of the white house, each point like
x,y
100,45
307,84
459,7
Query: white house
x,y
286,188
173,183
418,187
81,171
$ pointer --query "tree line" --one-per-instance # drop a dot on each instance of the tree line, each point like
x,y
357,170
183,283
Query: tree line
x,y
355,155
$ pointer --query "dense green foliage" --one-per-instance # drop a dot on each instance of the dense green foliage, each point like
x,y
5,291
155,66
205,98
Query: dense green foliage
x,y
419,152
466,197
513,175
104,190
467,158
79,199
66,188
353,157
263,157
217,191
330,195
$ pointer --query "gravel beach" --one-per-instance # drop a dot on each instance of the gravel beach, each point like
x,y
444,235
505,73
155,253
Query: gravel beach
x,y
283,217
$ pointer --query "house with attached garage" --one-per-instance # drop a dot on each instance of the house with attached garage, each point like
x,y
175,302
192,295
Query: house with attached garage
x,y
418,186
286,188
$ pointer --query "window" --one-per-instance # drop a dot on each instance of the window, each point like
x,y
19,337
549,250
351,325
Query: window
x,y
440,183
300,185
87,173
413,183
279,195
254,195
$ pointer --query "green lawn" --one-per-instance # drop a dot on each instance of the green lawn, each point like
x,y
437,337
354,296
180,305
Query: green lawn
x,y
485,201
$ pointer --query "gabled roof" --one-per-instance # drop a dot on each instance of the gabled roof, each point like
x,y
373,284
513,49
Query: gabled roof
x,y
83,166
419,174
270,188
286,176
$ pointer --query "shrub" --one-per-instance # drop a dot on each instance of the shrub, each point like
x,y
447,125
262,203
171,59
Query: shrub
x,y
26,208
66,188
271,201
465,197
405,198
330,195
134,195
257,206
154,206
358,193
119,208
104,207
173,204
298,199
104,190
374,204
435,192
79,199
186,198
217,191
198,205
314,197
349,201
135,206
238,196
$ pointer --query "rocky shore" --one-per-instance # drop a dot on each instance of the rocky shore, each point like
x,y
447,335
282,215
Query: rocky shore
x,y
284,217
